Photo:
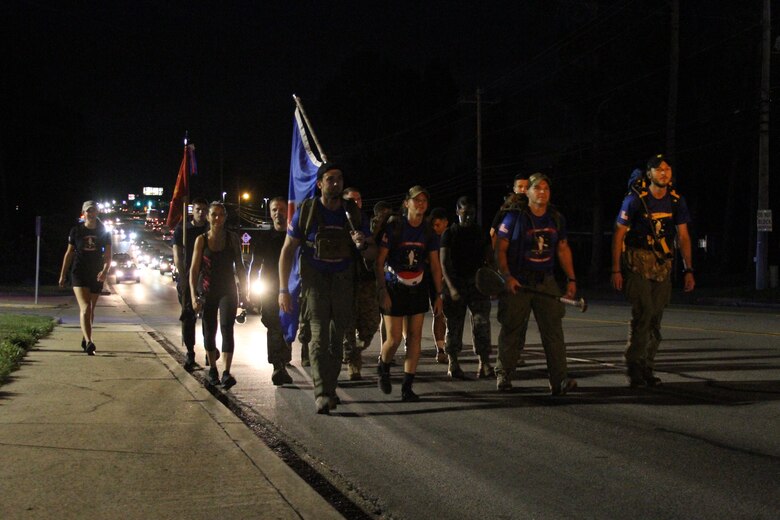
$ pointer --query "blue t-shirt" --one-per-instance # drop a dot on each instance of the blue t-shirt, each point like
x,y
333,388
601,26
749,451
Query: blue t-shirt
x,y
330,220
537,241
408,253
661,217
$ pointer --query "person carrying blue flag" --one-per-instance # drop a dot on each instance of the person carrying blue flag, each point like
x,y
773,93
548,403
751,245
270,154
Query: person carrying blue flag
x,y
331,236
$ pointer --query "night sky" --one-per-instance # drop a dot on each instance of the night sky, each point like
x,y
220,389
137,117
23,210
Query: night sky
x,y
96,98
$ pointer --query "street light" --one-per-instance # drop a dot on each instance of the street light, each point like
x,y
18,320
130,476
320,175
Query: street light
x,y
244,196
266,199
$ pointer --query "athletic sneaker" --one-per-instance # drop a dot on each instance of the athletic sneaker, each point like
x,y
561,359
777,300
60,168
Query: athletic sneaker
x,y
83,344
323,405
213,376
90,350
280,376
564,386
228,380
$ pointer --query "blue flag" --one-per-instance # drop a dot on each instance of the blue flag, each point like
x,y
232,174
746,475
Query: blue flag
x,y
303,184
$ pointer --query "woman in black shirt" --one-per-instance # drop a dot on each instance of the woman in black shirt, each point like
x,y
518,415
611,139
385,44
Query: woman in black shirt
x,y
88,258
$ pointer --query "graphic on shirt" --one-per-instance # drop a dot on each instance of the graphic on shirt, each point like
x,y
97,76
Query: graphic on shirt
x,y
90,244
540,240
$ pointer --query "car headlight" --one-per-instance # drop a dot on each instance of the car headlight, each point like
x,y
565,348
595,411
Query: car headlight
x,y
120,273
113,263
258,287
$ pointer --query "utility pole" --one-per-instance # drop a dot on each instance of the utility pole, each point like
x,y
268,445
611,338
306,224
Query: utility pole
x,y
479,156
764,214
478,101
674,67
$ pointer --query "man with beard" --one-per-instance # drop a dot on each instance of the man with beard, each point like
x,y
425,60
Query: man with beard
x,y
267,253
329,246
649,219
366,310
182,259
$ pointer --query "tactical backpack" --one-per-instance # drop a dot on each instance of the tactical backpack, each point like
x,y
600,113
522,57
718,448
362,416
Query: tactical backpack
x,y
329,244
638,185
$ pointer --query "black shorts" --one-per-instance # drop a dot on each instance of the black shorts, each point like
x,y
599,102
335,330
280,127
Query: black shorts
x,y
81,278
408,300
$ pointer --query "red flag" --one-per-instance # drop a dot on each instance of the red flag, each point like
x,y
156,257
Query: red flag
x,y
182,189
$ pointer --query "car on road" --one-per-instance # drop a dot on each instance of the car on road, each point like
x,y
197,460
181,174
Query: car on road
x,y
118,259
125,269
165,264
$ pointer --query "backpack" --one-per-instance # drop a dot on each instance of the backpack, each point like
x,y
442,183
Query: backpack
x,y
639,186
336,241
381,227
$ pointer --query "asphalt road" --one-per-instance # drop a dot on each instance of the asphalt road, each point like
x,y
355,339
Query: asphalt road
x,y
705,445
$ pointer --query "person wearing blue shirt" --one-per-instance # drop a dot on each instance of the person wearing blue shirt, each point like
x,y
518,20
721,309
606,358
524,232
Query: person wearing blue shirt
x,y
530,241
406,245
649,221
328,249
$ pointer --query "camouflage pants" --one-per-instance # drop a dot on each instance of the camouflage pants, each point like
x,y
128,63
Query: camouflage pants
x,y
648,299
365,319
455,312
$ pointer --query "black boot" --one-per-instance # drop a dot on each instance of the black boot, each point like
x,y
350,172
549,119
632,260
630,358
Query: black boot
x,y
383,370
407,394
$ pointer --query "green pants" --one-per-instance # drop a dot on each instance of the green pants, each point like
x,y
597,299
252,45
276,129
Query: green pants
x,y
648,299
328,309
513,313
365,318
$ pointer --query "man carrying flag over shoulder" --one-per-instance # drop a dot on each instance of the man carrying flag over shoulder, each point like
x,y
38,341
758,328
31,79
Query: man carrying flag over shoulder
x,y
331,237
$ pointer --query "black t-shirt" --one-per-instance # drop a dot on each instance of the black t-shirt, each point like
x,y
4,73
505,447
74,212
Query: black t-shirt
x,y
193,232
89,246
268,248
466,246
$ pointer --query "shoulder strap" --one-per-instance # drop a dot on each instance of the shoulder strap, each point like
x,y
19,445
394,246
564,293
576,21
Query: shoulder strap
x,y
306,215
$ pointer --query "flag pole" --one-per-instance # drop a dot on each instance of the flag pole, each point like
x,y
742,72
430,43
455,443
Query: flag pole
x,y
185,200
299,104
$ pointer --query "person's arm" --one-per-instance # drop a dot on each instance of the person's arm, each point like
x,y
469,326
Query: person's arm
x,y
512,285
567,264
101,277
285,266
243,287
66,261
446,264
617,252
381,284
436,274
197,253
178,258
684,240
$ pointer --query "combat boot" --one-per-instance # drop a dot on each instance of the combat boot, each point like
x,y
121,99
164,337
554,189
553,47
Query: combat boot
x,y
485,371
650,378
354,364
635,375
503,381
454,370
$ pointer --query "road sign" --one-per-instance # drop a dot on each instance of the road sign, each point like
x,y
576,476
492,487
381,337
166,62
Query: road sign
x,y
245,238
764,220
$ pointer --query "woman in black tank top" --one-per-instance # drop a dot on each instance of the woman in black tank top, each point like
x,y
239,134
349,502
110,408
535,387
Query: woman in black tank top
x,y
216,263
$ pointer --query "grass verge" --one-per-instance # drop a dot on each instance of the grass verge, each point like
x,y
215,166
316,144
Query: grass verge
x,y
17,334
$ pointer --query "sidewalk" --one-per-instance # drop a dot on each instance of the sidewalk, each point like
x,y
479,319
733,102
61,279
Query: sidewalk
x,y
128,433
